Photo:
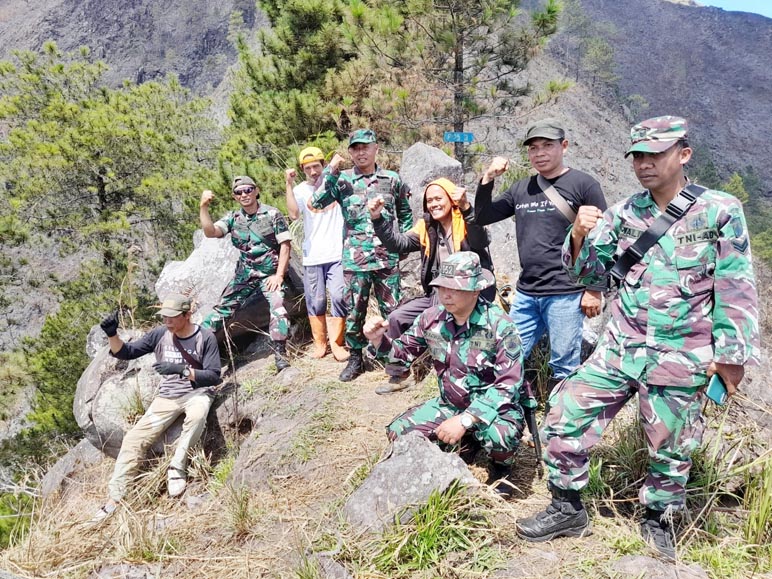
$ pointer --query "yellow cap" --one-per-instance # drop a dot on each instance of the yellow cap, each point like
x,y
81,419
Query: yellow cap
x,y
310,155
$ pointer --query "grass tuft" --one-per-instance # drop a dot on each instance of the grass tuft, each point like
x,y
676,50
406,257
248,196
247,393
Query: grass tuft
x,y
449,524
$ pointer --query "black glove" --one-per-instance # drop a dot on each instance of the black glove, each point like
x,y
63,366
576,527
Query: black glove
x,y
167,368
110,324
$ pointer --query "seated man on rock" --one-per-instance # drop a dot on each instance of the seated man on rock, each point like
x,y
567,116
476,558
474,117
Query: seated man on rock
x,y
475,349
446,227
188,360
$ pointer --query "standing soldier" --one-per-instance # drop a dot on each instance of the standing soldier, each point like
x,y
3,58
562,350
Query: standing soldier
x,y
543,206
322,248
686,310
476,352
366,262
260,234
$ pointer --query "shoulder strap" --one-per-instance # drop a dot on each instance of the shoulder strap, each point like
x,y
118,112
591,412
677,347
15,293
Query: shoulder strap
x,y
192,362
673,212
557,199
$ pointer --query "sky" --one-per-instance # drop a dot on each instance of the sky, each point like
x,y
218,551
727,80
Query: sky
x,y
763,7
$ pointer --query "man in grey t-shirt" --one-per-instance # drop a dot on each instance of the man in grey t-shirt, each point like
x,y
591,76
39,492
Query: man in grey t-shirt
x,y
188,360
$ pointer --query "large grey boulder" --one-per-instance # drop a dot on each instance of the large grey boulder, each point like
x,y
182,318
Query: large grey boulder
x,y
80,456
109,395
422,164
208,270
415,468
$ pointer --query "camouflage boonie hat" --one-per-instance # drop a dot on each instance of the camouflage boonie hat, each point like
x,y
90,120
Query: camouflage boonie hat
x,y
545,129
310,155
462,271
361,136
242,181
174,305
657,135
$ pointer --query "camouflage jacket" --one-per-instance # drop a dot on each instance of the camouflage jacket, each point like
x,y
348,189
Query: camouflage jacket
x,y
479,365
362,250
689,301
257,237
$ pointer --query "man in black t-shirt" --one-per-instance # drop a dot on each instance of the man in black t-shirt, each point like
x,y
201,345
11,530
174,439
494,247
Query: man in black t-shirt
x,y
546,299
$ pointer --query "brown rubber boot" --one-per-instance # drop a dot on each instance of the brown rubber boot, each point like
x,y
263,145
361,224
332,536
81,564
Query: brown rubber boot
x,y
337,328
319,332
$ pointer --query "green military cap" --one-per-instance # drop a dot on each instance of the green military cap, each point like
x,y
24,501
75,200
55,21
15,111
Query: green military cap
x,y
462,271
174,305
242,181
361,136
657,135
545,129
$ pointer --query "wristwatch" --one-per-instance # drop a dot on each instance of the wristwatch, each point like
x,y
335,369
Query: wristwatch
x,y
467,420
186,372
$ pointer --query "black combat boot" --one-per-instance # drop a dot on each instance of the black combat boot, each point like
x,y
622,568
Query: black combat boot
x,y
564,517
280,356
657,531
354,368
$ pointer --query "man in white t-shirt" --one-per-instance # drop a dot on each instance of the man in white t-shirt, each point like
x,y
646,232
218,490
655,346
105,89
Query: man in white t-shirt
x,y
322,248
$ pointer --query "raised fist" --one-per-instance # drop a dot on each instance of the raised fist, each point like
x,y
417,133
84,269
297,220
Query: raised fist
x,y
110,324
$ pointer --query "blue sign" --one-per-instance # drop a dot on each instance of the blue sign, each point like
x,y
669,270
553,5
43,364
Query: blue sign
x,y
452,137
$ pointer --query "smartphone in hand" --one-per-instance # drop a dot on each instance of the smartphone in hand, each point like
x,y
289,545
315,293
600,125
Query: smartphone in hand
x,y
716,390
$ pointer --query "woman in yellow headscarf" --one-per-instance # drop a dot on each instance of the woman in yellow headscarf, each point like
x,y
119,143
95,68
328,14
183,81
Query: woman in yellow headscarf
x,y
446,227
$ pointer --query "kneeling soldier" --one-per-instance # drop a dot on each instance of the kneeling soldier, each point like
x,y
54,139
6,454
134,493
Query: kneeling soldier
x,y
475,349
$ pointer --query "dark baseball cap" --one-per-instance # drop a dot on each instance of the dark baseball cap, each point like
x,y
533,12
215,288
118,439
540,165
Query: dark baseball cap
x,y
545,129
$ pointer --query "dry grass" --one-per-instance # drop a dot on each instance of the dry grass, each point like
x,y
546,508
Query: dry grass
x,y
272,530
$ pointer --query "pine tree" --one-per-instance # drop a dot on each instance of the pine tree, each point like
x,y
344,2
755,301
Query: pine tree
x,y
452,61
101,171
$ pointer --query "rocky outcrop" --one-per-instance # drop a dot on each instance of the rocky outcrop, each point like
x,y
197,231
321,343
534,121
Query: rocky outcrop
x,y
140,40
713,69
82,455
111,393
414,469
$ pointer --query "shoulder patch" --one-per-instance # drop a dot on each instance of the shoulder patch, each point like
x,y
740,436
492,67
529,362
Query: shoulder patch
x,y
740,245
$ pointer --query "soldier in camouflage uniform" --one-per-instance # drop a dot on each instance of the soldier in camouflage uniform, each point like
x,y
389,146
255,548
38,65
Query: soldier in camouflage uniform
x,y
478,358
366,262
261,235
685,311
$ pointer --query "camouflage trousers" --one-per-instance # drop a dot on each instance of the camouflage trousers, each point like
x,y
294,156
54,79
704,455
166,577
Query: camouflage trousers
x,y
237,292
499,439
581,408
358,283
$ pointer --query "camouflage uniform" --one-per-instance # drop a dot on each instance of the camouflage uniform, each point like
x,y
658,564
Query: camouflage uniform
x,y
366,262
480,371
689,301
257,237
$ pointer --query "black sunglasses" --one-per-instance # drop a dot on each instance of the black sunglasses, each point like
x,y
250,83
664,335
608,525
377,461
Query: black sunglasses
x,y
243,192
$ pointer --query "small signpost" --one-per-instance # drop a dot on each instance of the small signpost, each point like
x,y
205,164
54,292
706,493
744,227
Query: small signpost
x,y
455,137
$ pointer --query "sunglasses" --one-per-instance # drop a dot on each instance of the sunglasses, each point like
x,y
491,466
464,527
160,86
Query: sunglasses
x,y
243,192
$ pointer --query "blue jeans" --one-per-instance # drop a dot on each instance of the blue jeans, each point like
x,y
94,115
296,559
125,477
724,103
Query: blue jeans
x,y
561,316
